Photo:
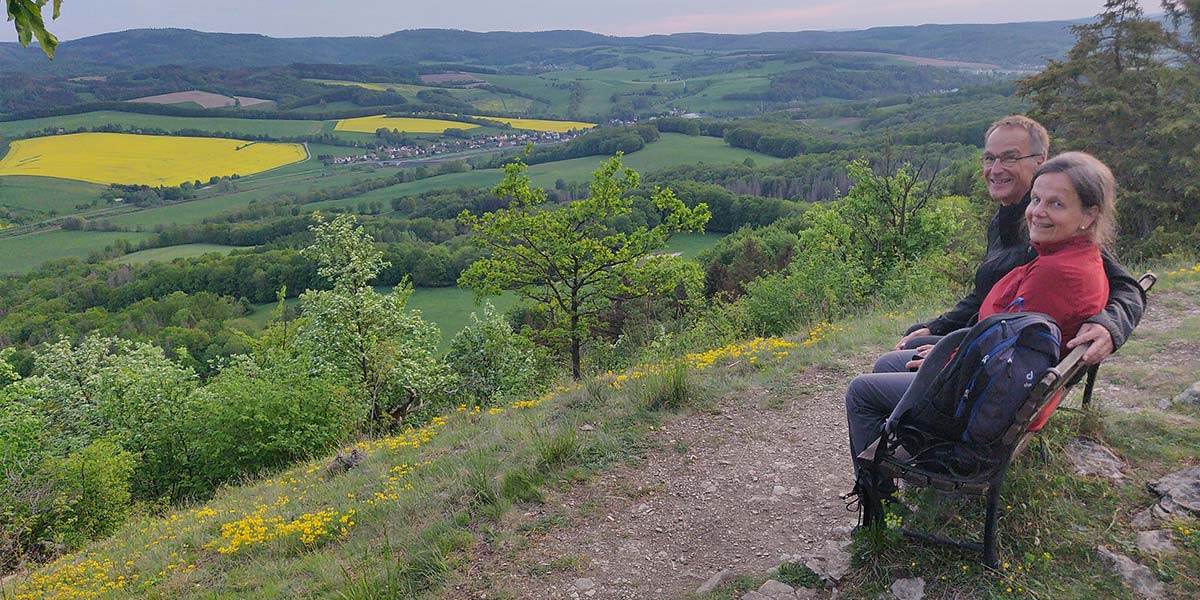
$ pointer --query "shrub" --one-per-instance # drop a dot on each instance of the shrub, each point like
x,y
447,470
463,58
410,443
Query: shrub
x,y
491,361
92,493
257,416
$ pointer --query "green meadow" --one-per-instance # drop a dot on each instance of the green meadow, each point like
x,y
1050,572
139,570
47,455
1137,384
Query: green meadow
x,y
170,253
36,198
25,253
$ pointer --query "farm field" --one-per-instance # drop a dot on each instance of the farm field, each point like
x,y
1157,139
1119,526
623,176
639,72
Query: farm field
x,y
25,253
142,159
546,125
196,211
404,124
170,253
36,198
407,89
201,98
670,150
481,99
252,127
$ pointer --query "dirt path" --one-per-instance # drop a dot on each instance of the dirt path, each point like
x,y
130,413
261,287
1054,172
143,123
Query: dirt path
x,y
739,488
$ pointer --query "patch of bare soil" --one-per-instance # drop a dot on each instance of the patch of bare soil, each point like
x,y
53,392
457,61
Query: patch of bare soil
x,y
204,99
738,488
451,78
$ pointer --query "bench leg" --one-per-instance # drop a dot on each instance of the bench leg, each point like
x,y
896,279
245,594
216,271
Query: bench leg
x,y
870,499
1087,389
989,526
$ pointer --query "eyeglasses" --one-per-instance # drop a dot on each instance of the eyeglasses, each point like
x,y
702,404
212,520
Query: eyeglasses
x,y
1008,161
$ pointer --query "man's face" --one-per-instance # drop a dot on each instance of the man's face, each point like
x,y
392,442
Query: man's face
x,y
1008,183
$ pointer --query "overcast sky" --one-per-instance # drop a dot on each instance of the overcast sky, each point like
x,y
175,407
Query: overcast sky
x,y
302,18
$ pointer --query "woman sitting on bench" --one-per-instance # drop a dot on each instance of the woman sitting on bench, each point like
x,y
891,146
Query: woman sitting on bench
x,y
1072,212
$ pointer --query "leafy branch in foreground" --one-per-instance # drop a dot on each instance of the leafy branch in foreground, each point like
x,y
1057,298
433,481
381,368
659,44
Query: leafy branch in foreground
x,y
571,261
27,18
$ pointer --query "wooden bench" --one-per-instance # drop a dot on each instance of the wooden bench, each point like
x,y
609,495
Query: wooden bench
x,y
887,459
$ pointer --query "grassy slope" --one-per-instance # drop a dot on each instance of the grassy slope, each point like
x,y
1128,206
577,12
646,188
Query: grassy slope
x,y
410,529
35,197
24,253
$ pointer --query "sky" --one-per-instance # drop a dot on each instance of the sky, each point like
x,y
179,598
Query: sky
x,y
303,18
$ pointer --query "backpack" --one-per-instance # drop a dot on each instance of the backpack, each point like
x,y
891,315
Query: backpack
x,y
973,399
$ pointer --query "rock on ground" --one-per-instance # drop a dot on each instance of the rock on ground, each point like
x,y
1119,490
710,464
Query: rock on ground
x,y
1157,541
909,589
1180,489
777,590
1189,396
714,582
1139,577
1091,458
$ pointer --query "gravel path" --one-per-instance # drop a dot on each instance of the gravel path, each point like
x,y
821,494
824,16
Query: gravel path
x,y
740,488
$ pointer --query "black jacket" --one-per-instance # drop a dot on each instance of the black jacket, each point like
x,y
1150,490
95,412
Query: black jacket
x,y
1007,248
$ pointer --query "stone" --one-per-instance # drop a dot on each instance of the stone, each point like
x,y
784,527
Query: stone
x,y
714,582
1189,396
1143,519
584,584
777,590
1137,576
344,461
755,596
832,562
1157,541
912,588
1180,489
1091,458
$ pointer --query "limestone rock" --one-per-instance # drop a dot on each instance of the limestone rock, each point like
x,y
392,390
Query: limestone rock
x,y
1157,541
344,461
714,582
832,563
1091,458
1180,490
584,584
1144,519
912,588
777,590
1139,577
1189,396
754,596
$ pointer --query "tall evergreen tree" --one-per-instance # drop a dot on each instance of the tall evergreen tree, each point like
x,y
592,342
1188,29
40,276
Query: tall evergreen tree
x,y
1119,96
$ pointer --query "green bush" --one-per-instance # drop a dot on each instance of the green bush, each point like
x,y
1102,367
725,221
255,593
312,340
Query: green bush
x,y
492,362
254,417
91,493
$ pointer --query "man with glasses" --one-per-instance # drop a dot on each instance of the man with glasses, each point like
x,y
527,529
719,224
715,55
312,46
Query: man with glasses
x,y
1014,147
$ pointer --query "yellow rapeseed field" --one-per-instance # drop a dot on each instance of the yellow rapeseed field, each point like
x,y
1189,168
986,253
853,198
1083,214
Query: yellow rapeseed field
x,y
143,159
413,125
543,124
405,124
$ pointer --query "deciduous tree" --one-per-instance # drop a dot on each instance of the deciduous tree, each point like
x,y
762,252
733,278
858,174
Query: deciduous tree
x,y
570,260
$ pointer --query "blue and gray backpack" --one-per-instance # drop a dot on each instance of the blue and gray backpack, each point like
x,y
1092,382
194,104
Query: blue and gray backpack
x,y
974,398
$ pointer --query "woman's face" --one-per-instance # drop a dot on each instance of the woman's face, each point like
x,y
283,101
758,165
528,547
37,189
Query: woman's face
x,y
1055,212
